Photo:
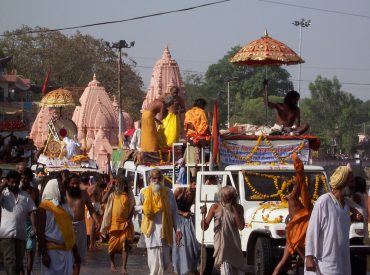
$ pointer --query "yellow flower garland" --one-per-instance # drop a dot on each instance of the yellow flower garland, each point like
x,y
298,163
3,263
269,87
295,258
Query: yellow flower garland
x,y
283,204
246,159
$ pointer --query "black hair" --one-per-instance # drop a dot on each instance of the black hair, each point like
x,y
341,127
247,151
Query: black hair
x,y
74,192
291,95
122,184
85,179
105,177
200,102
28,173
13,175
360,185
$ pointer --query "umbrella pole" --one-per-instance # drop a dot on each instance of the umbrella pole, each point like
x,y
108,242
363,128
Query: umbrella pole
x,y
265,84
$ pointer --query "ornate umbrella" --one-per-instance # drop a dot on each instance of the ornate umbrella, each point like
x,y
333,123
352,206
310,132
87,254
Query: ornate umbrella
x,y
58,98
266,51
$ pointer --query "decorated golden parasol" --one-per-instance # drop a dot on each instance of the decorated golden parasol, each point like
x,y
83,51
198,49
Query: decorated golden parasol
x,y
58,98
266,51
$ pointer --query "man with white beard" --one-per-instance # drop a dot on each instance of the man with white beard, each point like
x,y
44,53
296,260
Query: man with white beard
x,y
159,220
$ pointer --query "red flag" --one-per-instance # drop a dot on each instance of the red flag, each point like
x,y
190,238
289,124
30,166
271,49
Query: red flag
x,y
215,132
43,89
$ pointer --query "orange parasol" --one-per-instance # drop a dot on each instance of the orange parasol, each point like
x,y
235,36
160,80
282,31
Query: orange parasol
x,y
58,98
266,51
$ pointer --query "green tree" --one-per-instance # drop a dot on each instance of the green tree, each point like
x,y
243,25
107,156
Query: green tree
x,y
332,113
72,60
245,83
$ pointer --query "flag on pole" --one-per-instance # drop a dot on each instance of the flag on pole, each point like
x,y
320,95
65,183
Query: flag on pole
x,y
43,89
215,133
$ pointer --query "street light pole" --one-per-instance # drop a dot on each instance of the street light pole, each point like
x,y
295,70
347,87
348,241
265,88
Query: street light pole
x,y
228,104
120,45
301,24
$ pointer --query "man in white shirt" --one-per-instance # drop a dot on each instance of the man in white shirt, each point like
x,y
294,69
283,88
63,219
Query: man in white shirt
x,y
327,237
136,138
16,206
159,222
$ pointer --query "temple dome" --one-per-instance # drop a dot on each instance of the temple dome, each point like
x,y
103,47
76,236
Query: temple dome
x,y
166,73
96,111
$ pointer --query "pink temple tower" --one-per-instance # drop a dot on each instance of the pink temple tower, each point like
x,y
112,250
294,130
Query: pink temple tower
x,y
96,111
166,73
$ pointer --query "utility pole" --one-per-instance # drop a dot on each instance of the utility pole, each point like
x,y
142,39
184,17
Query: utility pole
x,y
119,46
303,23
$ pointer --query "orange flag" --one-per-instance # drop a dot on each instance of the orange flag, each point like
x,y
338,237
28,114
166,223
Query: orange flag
x,y
43,89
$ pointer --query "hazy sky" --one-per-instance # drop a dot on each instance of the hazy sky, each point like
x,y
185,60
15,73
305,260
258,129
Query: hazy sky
x,y
334,45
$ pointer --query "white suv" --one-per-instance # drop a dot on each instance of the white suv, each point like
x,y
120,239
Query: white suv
x,y
260,190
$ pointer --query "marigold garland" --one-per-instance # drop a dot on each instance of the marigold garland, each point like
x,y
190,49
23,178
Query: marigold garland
x,y
246,159
279,193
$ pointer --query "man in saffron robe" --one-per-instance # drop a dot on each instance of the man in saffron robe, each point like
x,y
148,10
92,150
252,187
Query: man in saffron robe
x,y
149,134
299,212
55,233
159,222
197,132
196,122
118,220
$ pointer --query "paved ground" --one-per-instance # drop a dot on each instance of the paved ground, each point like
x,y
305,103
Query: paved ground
x,y
98,262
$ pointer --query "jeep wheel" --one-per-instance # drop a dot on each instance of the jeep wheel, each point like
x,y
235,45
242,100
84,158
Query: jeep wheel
x,y
263,257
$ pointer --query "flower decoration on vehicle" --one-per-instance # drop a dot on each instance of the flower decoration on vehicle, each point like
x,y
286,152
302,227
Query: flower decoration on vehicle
x,y
280,194
247,159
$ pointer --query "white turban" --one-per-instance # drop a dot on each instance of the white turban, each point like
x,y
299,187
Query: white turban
x,y
339,177
52,192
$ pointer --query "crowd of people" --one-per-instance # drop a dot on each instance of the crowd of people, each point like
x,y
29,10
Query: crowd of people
x,y
13,149
60,216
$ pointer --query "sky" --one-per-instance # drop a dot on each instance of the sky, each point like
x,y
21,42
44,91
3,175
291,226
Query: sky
x,y
335,44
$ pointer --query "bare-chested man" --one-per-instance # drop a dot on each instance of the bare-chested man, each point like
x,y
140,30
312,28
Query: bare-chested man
x,y
299,206
288,115
179,101
26,179
185,257
77,199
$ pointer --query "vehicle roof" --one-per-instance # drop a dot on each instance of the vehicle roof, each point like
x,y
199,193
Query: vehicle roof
x,y
71,169
266,167
130,165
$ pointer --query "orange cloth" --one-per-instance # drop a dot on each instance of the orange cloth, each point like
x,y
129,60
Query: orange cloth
x,y
300,180
197,117
149,134
64,223
297,226
122,228
296,230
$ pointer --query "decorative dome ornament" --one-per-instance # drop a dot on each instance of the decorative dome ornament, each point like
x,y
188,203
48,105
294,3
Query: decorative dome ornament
x,y
58,98
266,51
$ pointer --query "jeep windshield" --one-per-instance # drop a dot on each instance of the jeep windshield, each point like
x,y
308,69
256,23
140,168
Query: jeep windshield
x,y
274,185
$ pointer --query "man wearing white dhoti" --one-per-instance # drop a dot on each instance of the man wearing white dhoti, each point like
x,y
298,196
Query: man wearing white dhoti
x,y
327,237
55,234
159,221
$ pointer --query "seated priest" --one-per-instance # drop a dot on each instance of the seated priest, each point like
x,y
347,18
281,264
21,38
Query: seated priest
x,y
288,117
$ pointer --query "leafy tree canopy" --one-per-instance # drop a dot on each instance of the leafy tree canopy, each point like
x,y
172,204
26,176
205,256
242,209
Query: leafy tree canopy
x,y
72,60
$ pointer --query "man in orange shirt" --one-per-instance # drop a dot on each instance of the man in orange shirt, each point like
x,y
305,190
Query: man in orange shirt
x,y
196,123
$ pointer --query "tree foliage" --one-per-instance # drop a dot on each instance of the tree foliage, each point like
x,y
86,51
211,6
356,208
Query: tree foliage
x,y
333,114
72,60
245,84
